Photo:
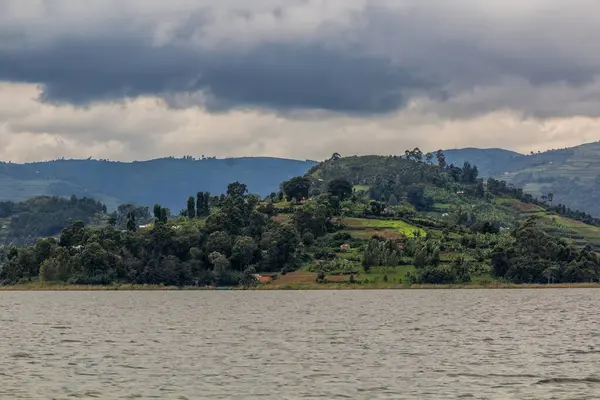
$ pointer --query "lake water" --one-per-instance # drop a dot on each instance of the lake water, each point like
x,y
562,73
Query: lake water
x,y
430,344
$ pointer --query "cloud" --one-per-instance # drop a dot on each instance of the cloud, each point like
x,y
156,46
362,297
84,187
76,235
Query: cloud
x,y
349,56
133,79
146,127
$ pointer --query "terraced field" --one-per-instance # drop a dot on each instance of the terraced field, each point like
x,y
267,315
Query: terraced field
x,y
363,228
577,231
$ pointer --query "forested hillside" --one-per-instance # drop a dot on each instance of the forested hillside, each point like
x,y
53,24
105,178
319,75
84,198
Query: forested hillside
x,y
571,175
362,221
26,221
165,180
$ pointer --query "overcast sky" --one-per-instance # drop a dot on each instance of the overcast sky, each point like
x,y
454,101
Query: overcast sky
x,y
138,79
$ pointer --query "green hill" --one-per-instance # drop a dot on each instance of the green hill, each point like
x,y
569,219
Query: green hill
x,y
369,221
44,216
393,180
572,175
490,162
166,181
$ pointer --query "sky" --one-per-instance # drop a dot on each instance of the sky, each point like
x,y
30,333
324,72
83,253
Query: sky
x,y
140,79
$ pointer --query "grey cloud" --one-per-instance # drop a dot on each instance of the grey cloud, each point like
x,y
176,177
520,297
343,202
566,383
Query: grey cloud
x,y
367,57
271,76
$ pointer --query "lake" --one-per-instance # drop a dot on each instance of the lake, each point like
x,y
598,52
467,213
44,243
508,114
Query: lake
x,y
404,344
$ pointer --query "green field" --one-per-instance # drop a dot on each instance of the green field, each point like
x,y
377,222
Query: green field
x,y
363,228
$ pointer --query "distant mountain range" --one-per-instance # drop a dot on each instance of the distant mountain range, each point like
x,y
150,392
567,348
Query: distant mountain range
x,y
490,162
571,174
165,181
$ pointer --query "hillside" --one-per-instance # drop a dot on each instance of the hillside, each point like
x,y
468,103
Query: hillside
x,y
572,175
439,196
166,181
25,222
490,162
369,222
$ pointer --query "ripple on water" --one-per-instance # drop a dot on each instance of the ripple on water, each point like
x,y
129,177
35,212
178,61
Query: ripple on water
x,y
498,344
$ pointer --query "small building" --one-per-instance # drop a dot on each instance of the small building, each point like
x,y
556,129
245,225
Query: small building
x,y
345,246
263,279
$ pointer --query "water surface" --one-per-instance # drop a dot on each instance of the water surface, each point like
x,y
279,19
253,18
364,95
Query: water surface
x,y
406,344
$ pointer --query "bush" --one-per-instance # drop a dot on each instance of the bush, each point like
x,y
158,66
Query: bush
x,y
324,253
443,276
321,277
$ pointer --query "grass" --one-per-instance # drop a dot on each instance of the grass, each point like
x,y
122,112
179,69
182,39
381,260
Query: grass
x,y
362,188
364,228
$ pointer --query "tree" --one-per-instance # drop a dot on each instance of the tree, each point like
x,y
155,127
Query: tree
x,y
191,207
161,214
296,188
469,173
335,156
340,188
441,158
417,154
157,211
131,224
237,189
243,251
376,208
202,204
249,277
123,212
219,242
416,196
199,205
550,197
429,158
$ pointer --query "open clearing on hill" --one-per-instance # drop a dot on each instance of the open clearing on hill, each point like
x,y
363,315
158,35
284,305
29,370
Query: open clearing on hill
x,y
364,228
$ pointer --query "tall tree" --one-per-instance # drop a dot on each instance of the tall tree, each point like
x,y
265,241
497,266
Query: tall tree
x,y
191,207
237,189
429,158
161,214
199,204
131,224
441,158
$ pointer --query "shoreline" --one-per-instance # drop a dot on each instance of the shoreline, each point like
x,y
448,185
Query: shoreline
x,y
32,287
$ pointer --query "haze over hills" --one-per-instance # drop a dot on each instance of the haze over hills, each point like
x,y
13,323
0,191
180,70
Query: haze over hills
x,y
572,175
166,181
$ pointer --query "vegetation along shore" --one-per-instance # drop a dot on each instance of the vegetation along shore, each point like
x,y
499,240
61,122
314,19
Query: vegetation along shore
x,y
371,222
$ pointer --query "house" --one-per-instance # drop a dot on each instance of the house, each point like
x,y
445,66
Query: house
x,y
345,246
263,279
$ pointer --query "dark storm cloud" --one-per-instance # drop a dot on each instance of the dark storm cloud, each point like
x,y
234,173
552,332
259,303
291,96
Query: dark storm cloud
x,y
274,76
368,57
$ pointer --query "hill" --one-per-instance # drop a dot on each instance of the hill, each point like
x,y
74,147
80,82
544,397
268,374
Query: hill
x,y
166,181
572,175
44,216
490,162
369,221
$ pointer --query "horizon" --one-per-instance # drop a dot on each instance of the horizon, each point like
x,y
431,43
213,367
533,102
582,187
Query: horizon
x,y
203,157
